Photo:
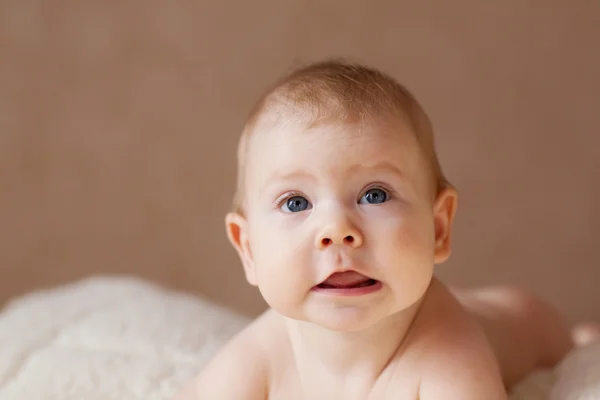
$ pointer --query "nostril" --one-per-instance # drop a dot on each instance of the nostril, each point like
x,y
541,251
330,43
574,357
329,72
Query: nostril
x,y
349,239
326,241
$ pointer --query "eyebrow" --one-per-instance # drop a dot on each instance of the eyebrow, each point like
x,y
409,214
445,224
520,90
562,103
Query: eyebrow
x,y
384,166
296,174
288,176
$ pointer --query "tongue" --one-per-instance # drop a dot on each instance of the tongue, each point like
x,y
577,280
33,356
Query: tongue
x,y
346,279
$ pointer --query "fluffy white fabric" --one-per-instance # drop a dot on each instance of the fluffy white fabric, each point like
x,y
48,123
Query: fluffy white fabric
x,y
122,338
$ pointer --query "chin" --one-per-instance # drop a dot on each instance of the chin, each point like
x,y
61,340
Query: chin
x,y
346,319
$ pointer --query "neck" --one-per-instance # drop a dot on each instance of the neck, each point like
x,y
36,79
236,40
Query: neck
x,y
322,355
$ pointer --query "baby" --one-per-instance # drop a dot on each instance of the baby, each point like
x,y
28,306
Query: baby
x,y
341,213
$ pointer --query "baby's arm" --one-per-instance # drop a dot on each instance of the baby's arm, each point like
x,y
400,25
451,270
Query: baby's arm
x,y
237,372
460,381
461,366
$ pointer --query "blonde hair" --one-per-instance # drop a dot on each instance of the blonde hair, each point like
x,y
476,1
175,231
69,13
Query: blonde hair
x,y
336,91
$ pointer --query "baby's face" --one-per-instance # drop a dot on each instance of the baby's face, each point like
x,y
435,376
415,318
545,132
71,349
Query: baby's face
x,y
324,201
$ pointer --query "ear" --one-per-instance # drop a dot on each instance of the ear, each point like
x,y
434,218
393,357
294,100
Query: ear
x,y
237,232
443,214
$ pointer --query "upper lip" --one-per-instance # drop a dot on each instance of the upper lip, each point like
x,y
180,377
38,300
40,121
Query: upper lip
x,y
344,270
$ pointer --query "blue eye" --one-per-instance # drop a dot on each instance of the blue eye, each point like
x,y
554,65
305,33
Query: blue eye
x,y
296,204
374,196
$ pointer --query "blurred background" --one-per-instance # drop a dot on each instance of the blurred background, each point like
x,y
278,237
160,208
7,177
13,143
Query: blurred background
x,y
119,121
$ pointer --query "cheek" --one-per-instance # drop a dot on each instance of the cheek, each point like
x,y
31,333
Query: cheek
x,y
282,264
406,234
405,254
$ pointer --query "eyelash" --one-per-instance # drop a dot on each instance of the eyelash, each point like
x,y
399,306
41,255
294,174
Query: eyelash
x,y
285,197
391,194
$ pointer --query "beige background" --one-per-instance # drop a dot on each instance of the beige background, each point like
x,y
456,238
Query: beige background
x,y
118,123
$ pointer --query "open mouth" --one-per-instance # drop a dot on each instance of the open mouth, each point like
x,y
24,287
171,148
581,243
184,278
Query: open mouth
x,y
368,282
348,282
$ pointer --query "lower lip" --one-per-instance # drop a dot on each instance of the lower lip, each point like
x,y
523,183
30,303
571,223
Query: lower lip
x,y
359,291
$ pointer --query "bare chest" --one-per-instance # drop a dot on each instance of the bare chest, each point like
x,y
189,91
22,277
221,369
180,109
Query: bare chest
x,y
399,381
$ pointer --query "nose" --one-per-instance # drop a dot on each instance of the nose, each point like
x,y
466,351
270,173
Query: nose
x,y
339,231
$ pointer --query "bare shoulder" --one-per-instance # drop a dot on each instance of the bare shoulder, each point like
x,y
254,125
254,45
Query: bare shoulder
x,y
457,359
239,370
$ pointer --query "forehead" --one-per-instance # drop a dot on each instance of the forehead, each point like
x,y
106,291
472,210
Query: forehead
x,y
330,149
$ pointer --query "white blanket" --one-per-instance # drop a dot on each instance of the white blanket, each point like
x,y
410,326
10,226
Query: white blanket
x,y
122,338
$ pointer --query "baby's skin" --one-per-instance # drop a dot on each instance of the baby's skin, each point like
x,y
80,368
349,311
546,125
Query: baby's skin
x,y
342,234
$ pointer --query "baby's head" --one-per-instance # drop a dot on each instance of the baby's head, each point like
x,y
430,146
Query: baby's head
x,y
341,209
